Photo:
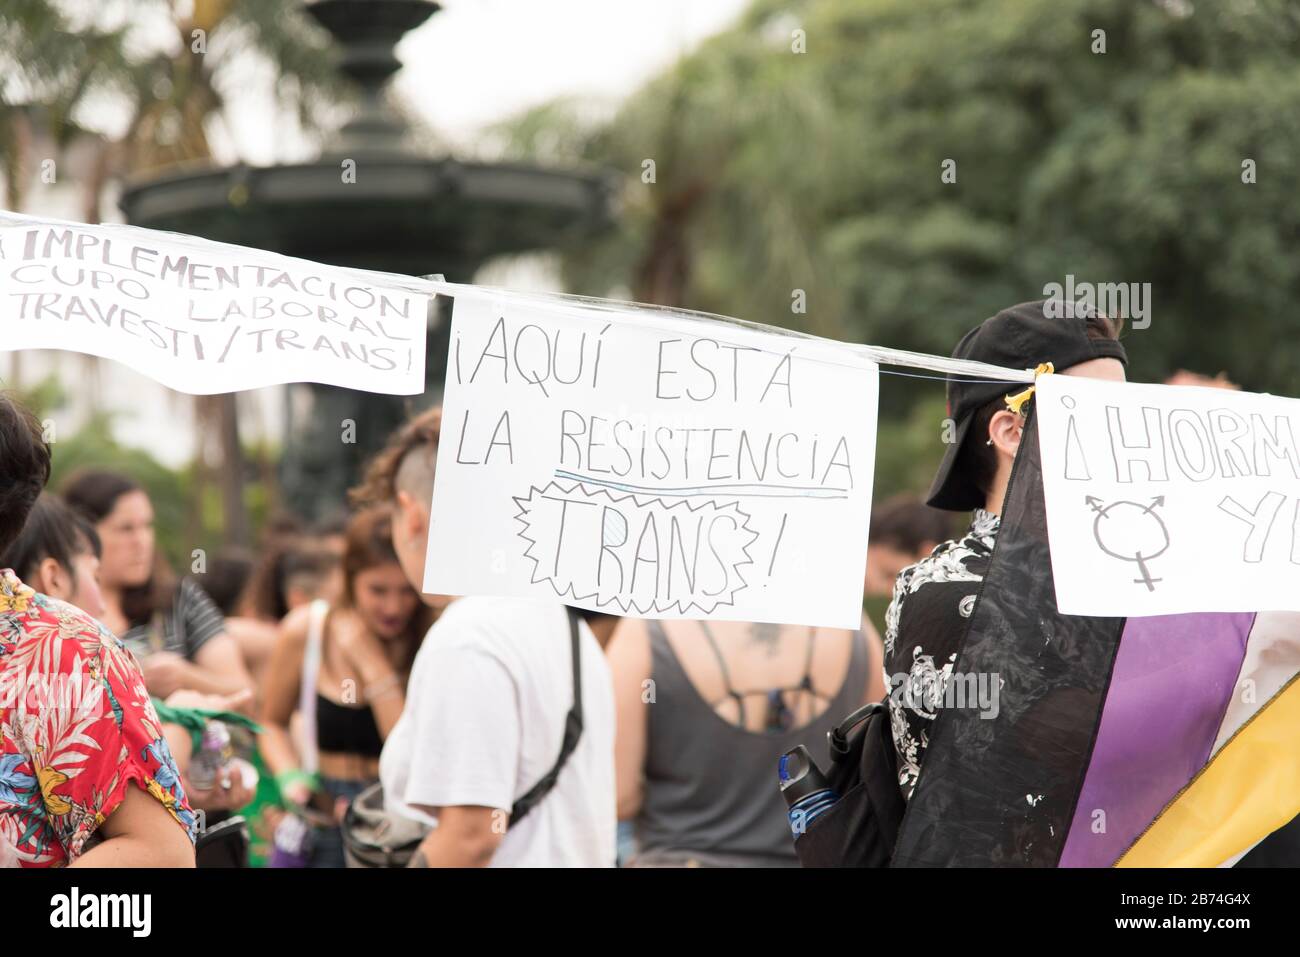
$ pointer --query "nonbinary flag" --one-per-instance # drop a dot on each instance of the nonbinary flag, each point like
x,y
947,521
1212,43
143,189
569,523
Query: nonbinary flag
x,y
1159,741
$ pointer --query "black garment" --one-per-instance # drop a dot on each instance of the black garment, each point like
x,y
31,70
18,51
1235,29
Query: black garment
x,y
711,786
346,730
191,622
1000,787
924,627
1279,849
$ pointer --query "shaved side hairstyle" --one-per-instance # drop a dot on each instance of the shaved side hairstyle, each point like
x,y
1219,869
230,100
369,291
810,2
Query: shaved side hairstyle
x,y
405,464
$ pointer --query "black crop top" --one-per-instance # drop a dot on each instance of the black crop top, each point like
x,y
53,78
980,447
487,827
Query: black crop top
x,y
346,730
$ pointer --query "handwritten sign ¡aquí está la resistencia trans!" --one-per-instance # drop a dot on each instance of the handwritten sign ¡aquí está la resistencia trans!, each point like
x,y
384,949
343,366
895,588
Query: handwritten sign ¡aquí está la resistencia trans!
x,y
646,464
204,317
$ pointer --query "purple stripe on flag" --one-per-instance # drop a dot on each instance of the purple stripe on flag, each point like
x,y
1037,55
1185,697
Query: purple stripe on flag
x,y
1173,678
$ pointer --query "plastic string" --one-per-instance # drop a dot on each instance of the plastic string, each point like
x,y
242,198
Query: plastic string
x,y
900,357
432,284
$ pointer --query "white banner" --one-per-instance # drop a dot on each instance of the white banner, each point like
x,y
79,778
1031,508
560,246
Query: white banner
x,y
204,317
636,462
1168,499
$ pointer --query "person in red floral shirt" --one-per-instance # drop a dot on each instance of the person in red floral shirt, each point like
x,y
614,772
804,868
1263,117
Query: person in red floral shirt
x,y
86,777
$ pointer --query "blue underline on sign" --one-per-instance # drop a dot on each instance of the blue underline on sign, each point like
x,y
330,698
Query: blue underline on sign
x,y
746,490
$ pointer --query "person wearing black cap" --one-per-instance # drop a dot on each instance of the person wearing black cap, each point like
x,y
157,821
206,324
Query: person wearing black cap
x,y
933,598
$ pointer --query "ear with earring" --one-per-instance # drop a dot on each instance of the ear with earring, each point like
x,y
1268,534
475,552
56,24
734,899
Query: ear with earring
x,y
1016,403
990,439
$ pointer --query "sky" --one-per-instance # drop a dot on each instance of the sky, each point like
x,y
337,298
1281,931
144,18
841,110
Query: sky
x,y
469,66
477,62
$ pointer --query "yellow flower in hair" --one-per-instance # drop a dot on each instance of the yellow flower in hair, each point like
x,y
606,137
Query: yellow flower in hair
x,y
1015,403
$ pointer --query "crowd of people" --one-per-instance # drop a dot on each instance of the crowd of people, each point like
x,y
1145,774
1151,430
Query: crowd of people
x,y
349,677
316,703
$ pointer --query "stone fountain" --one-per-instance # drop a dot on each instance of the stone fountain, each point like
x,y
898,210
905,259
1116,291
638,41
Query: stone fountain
x,y
403,211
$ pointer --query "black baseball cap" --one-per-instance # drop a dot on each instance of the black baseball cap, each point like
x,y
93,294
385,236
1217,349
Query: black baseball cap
x,y
1019,337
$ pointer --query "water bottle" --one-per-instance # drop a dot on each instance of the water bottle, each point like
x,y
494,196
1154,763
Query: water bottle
x,y
291,843
804,787
213,757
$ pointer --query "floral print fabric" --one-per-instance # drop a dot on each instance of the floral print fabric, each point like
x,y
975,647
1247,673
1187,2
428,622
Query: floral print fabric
x,y
77,728
924,626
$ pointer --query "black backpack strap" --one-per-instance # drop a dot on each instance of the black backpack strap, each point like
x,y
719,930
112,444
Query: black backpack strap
x,y
837,738
572,732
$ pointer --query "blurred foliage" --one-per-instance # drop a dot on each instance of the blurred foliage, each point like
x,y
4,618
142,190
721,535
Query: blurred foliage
x,y
93,446
909,448
52,58
43,61
180,524
54,61
174,94
820,171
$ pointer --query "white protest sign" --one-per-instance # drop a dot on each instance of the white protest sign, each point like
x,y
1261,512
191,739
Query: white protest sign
x,y
1168,499
204,317
641,463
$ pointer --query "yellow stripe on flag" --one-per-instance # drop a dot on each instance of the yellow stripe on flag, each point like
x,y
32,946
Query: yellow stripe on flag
x,y
1248,790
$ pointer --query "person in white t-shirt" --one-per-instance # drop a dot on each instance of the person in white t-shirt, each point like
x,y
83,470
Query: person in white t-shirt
x,y
486,706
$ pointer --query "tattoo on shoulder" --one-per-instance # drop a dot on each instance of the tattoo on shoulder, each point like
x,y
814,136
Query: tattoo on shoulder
x,y
766,634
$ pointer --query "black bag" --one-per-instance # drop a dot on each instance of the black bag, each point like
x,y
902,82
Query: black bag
x,y
372,837
858,830
223,845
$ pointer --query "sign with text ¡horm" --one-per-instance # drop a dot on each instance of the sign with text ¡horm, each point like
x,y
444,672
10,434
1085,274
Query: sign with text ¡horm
x,y
1169,499
643,464
205,317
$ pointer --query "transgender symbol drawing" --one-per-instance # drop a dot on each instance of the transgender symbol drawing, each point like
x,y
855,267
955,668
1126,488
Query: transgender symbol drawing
x,y
1131,532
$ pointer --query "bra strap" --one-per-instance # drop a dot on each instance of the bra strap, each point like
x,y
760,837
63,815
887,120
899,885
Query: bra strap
x,y
735,695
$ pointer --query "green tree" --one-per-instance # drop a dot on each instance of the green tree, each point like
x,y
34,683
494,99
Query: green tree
x,y
172,97
93,446
778,170
186,514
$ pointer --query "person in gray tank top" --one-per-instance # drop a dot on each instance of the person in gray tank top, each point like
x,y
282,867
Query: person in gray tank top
x,y
705,710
